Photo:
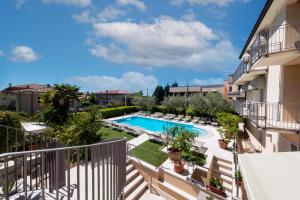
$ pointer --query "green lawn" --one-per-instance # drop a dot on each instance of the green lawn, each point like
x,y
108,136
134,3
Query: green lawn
x,y
150,153
108,133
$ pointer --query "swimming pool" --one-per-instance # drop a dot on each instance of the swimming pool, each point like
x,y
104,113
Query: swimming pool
x,y
157,125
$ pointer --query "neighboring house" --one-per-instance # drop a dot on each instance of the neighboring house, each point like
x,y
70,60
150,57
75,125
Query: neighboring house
x,y
114,96
27,96
196,89
269,74
28,100
231,91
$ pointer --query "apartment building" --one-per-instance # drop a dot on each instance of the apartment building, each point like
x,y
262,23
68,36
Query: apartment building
x,y
196,89
231,91
269,75
114,96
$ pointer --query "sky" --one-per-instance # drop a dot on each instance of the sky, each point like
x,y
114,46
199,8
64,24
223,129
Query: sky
x,y
122,44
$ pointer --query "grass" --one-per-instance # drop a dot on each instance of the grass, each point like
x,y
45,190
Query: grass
x,y
150,153
108,133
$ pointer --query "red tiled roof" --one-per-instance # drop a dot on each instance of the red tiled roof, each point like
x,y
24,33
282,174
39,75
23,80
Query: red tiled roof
x,y
31,87
114,92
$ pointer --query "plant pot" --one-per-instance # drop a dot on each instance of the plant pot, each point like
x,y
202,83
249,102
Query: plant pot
x,y
222,144
216,190
179,166
173,154
239,182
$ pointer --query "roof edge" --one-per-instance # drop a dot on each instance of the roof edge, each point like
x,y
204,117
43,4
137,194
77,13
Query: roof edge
x,y
257,23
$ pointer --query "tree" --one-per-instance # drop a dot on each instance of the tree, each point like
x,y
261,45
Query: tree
x,y
139,93
93,99
175,84
158,94
7,102
198,105
57,103
83,129
146,103
167,90
174,104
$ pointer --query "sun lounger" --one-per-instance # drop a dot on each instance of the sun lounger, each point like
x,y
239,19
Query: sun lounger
x,y
179,117
196,119
156,137
214,122
169,116
157,114
202,120
187,118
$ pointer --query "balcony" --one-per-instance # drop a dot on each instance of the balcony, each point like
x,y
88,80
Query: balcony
x,y
275,46
237,94
272,46
270,115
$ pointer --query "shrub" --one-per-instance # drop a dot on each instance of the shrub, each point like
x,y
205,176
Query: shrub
x,y
216,183
118,111
7,102
11,119
190,112
146,103
229,123
174,105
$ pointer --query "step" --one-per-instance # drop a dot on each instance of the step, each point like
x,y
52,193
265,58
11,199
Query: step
x,y
128,162
223,177
129,177
227,187
138,191
133,185
129,168
223,170
223,164
223,160
173,189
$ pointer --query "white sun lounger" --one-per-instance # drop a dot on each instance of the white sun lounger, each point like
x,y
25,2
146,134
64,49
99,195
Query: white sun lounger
x,y
187,118
196,119
179,117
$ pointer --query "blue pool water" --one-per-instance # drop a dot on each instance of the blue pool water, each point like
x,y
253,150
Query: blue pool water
x,y
157,125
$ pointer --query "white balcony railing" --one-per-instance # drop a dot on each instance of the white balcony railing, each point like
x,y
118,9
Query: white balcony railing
x,y
270,115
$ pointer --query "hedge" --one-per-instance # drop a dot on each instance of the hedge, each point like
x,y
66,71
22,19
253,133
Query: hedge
x,y
118,111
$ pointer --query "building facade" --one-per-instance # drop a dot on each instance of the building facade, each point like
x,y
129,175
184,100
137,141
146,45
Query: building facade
x,y
197,89
114,96
27,97
269,74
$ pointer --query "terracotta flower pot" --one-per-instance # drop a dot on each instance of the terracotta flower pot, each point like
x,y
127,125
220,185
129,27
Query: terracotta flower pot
x,y
179,166
216,191
239,182
222,144
173,154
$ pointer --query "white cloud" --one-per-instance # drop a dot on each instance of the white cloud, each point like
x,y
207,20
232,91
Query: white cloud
x,y
165,42
189,16
128,81
109,13
209,81
206,2
1,53
19,3
23,54
79,3
137,3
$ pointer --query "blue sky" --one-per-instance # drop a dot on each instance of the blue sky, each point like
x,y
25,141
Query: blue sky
x,y
122,44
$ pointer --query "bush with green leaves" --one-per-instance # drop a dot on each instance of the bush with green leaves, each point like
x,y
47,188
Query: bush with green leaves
x,y
118,111
229,125
208,105
176,105
11,119
81,129
216,183
7,102
145,103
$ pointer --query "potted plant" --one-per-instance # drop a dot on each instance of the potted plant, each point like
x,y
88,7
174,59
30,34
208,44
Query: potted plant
x,y
223,142
229,128
183,142
172,145
238,178
216,186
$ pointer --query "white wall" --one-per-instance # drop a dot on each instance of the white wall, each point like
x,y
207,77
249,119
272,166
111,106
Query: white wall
x,y
274,84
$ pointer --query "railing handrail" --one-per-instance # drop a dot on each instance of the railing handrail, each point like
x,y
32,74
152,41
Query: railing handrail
x,y
18,153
